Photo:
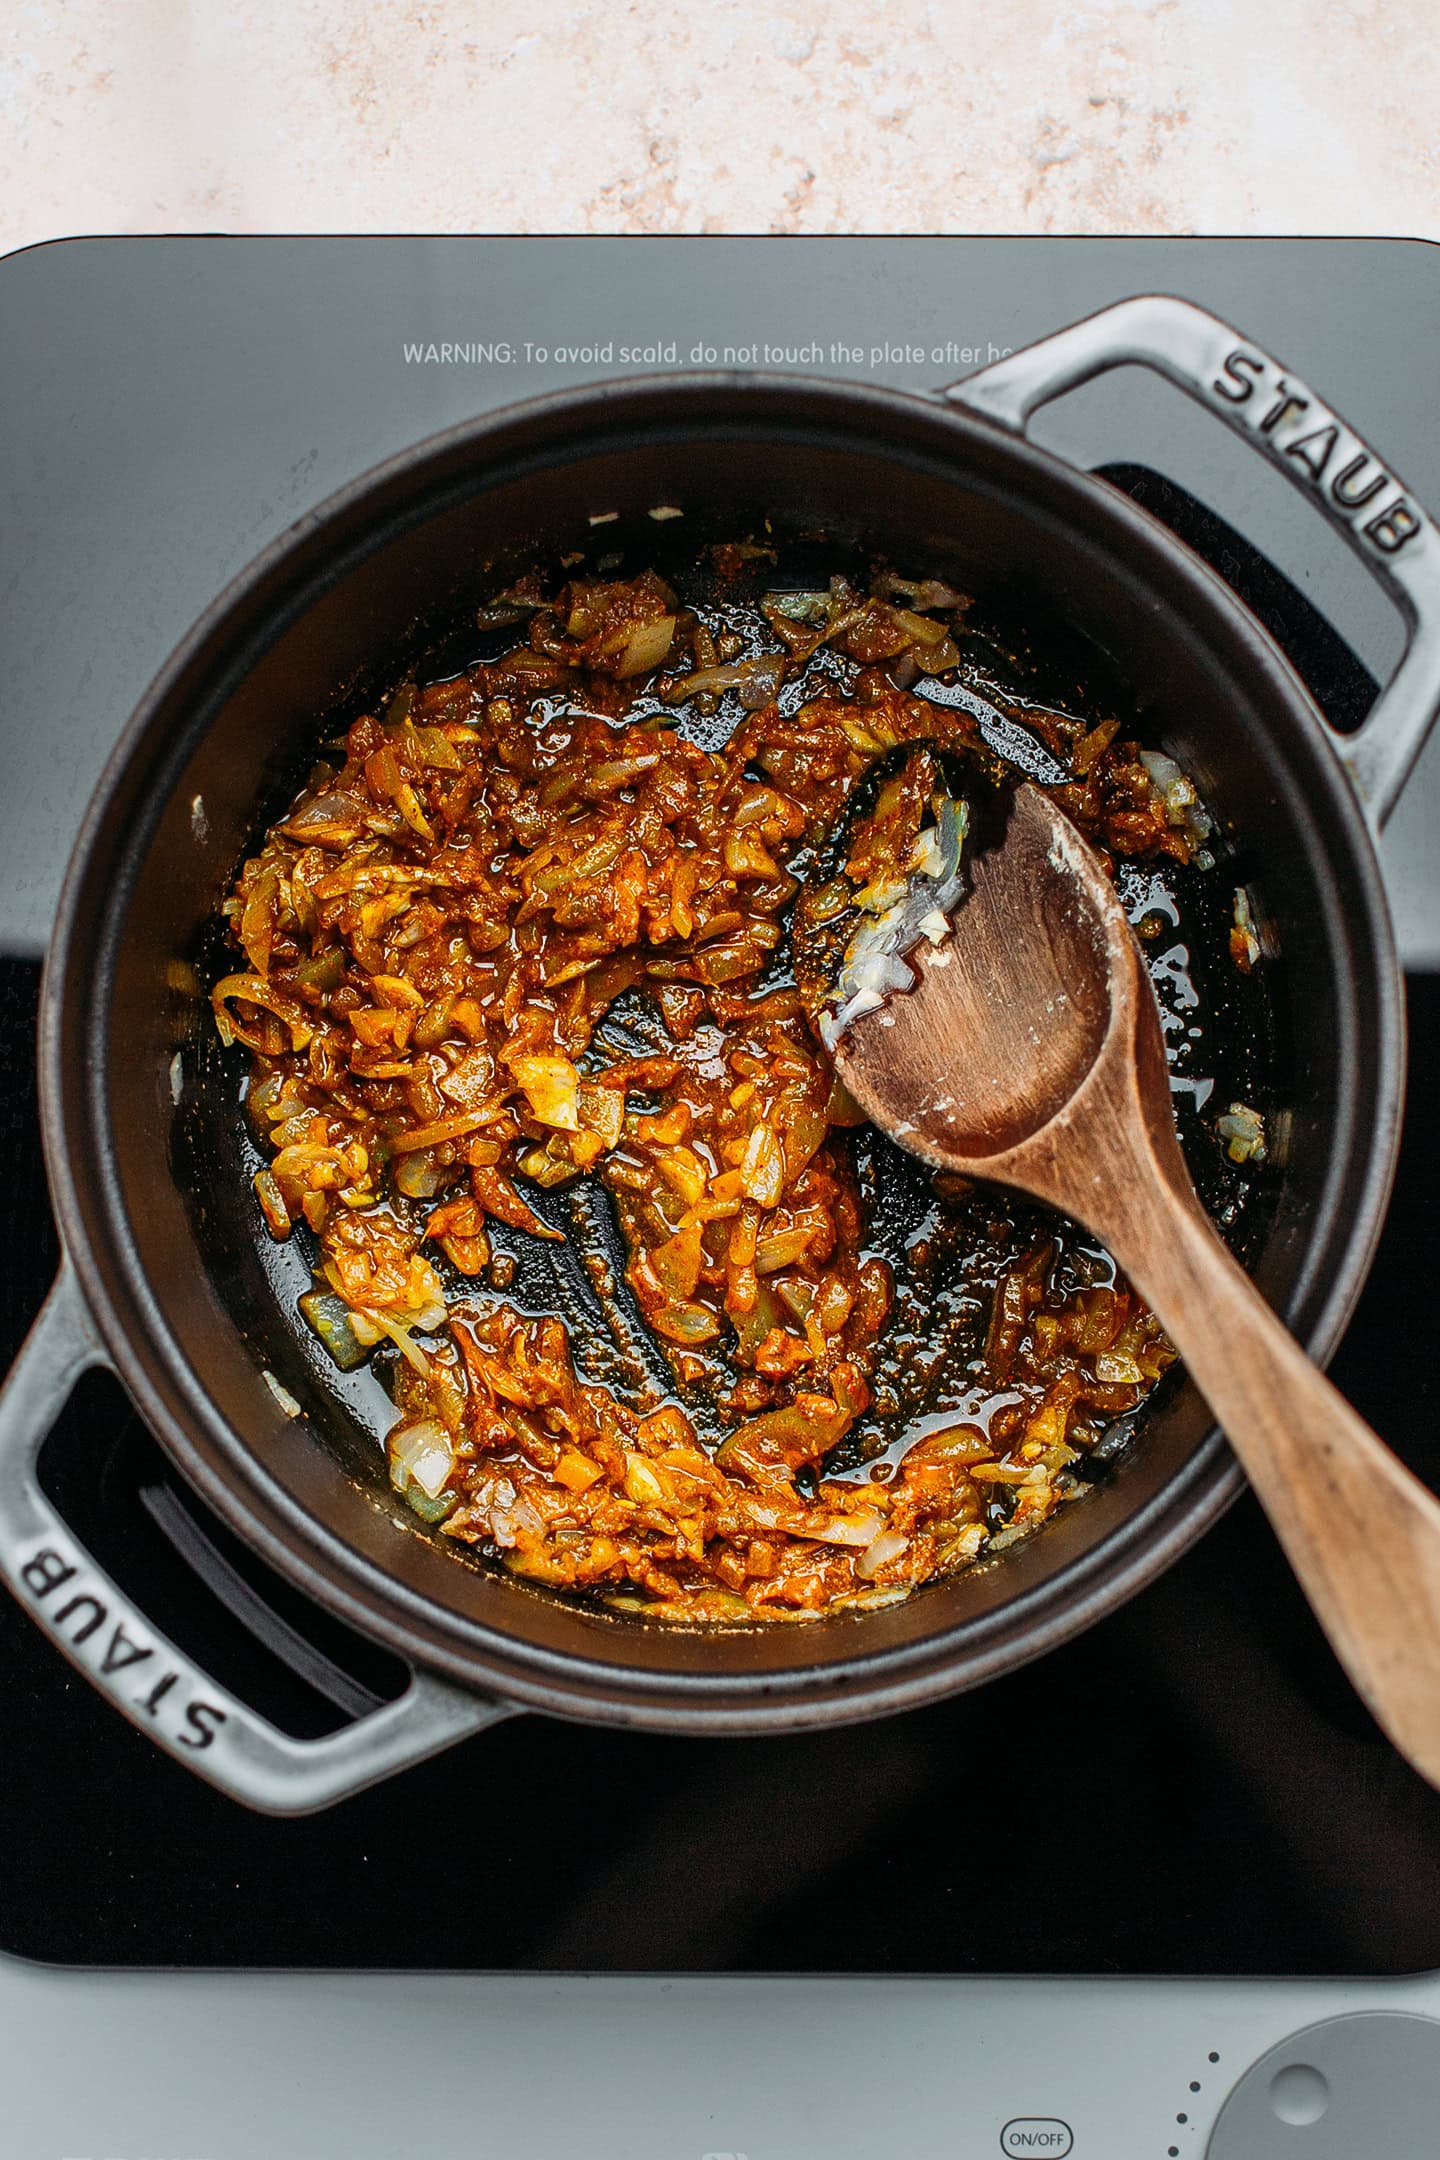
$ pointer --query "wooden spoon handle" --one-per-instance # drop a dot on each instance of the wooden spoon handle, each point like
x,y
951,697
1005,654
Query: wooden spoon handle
x,y
1362,1534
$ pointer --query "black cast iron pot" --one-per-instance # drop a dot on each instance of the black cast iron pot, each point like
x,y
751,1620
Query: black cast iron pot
x,y
164,1276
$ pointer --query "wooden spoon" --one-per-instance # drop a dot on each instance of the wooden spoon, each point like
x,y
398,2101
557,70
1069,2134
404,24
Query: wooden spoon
x,y
1030,1052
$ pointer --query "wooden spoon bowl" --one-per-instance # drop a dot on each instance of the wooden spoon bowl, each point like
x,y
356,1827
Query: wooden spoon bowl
x,y
1030,1052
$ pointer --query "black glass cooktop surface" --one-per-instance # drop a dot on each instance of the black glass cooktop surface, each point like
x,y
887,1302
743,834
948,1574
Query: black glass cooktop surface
x,y
1189,1787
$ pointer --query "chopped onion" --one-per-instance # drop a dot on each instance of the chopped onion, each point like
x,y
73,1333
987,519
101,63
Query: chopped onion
x,y
551,1086
921,593
617,773
1164,772
429,1315
761,686
1243,1131
432,1511
280,1392
803,607
862,1530
418,1175
420,1454
921,629
1182,804
758,681
686,1324
332,1320
900,916
647,646
602,1111
273,1205
255,990
400,1335
506,1524
1244,943
876,1600
879,1553
643,1482
443,1129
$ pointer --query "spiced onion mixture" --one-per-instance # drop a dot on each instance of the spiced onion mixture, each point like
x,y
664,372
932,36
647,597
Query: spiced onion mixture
x,y
432,938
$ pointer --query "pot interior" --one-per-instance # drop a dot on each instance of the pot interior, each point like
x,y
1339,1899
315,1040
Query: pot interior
x,y
157,1200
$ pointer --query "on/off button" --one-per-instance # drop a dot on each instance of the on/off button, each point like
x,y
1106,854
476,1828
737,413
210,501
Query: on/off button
x,y
1036,2137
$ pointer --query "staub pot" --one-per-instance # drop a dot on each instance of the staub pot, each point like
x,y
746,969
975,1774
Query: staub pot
x,y
165,1278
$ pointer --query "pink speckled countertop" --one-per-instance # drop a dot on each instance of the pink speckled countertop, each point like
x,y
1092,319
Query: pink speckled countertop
x,y
758,115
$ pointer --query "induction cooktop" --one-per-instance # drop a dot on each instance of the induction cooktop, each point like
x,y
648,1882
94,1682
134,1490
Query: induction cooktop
x,y
1186,1810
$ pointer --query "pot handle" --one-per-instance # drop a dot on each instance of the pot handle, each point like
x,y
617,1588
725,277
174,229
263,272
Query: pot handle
x,y
142,1673
1306,440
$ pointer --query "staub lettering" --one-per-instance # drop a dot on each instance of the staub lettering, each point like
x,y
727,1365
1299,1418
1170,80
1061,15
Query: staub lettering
x,y
1319,448
83,1622
1238,376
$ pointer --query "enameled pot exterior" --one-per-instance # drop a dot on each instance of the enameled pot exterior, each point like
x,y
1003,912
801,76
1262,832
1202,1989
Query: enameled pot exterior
x,y
164,1276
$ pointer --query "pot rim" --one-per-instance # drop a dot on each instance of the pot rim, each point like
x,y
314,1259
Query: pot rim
x,y
305,559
